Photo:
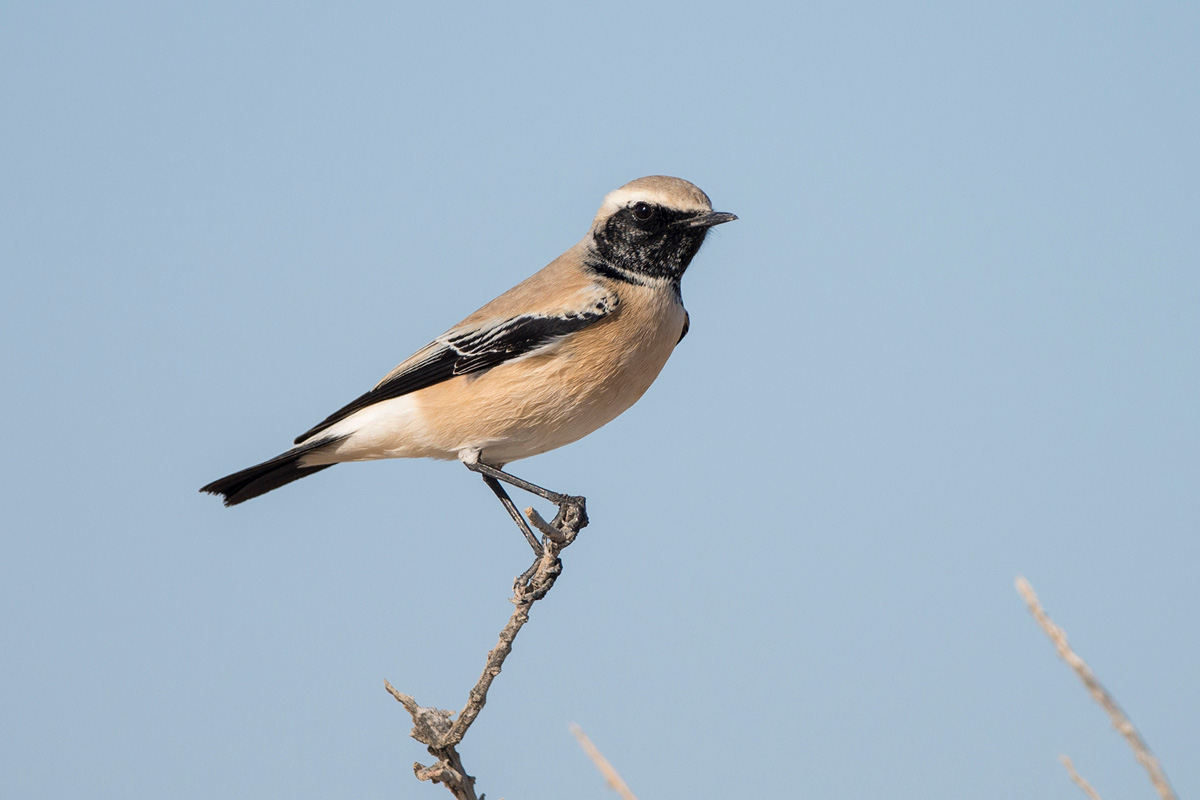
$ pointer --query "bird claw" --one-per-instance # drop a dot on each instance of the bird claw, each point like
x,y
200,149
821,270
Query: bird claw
x,y
557,534
572,514
570,519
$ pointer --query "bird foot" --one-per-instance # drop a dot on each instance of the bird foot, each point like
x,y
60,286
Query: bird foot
x,y
571,518
556,535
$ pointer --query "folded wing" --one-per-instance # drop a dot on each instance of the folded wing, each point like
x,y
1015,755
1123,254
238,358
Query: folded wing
x,y
475,348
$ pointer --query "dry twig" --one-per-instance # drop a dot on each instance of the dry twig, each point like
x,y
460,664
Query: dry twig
x,y
606,769
435,728
1119,719
1079,779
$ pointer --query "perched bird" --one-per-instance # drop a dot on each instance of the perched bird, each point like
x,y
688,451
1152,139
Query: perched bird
x,y
546,363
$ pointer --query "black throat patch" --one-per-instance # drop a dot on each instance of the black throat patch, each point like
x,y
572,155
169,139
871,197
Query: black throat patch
x,y
594,262
638,250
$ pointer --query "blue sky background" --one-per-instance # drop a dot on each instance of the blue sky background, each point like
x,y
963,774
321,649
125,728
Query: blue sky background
x,y
953,338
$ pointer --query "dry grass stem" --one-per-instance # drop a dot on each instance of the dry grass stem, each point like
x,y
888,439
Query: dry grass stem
x,y
606,769
436,728
1119,720
1079,779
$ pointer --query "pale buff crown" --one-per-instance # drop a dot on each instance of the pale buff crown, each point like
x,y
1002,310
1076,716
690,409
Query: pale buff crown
x,y
661,190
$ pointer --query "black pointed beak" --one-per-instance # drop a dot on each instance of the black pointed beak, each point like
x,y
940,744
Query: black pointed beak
x,y
708,219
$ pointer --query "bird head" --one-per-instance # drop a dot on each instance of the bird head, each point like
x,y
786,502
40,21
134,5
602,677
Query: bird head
x,y
652,227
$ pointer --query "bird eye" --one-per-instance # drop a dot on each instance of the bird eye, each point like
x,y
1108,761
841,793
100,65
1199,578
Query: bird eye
x,y
643,211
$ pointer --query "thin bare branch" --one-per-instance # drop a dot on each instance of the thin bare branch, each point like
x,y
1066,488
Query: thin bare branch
x,y
1079,779
611,776
1119,719
436,728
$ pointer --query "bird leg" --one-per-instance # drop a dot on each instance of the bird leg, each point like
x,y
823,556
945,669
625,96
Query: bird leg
x,y
570,507
571,517
499,474
511,508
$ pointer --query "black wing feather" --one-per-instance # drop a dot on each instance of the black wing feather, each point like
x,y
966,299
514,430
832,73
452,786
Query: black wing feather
x,y
474,350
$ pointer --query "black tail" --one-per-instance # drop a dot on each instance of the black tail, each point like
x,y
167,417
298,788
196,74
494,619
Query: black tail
x,y
262,478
